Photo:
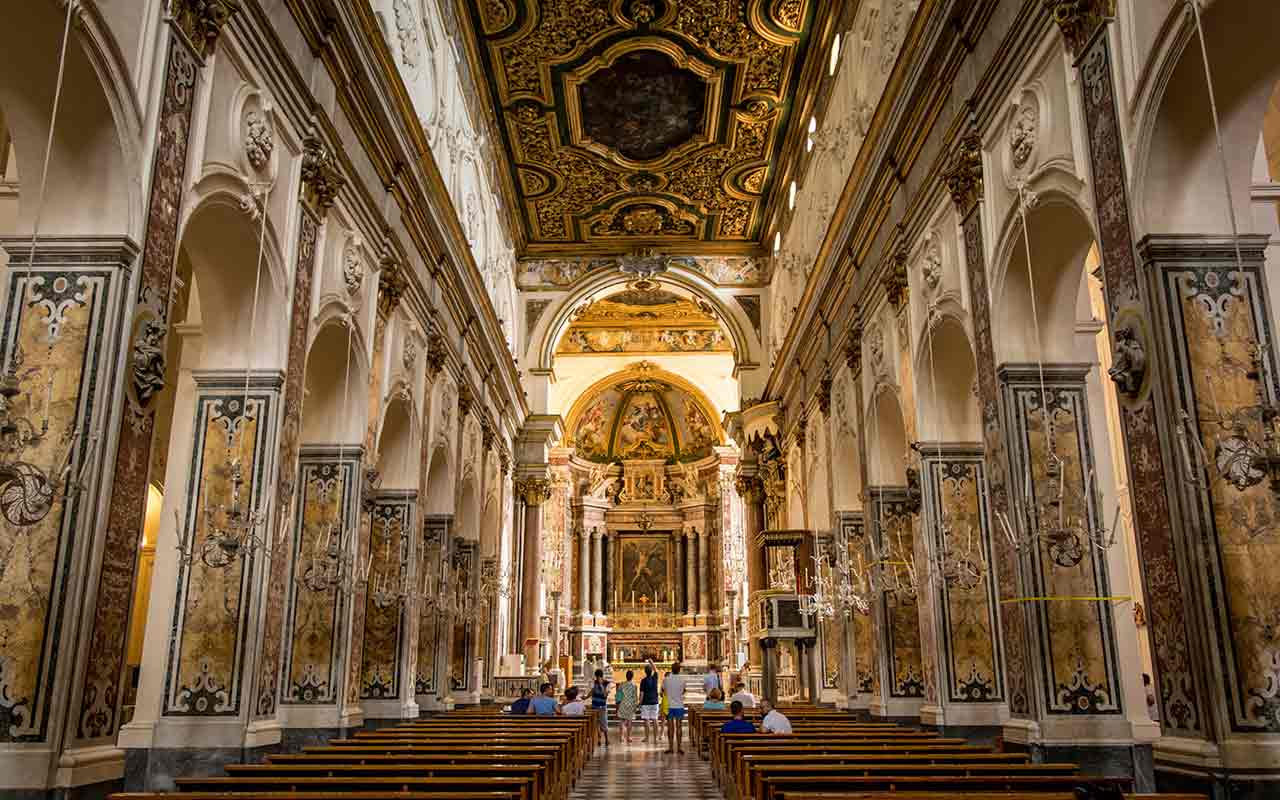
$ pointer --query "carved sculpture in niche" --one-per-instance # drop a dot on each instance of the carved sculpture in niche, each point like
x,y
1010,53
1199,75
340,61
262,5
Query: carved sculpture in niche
x,y
1024,131
410,355
148,362
352,267
1129,362
259,139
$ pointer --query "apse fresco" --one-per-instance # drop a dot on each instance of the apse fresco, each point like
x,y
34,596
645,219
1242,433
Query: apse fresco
x,y
627,340
58,333
209,617
560,273
1218,314
644,319
649,420
1075,633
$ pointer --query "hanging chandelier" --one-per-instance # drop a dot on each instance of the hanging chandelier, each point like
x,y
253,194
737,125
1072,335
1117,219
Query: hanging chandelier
x,y
28,491
230,530
1247,439
1066,537
388,589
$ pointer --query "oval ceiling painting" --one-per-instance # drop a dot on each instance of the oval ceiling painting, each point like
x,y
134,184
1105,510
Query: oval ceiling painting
x,y
641,417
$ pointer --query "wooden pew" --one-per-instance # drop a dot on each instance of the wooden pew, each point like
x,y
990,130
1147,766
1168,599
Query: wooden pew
x,y
790,787
745,762
758,778
522,787
478,795
417,768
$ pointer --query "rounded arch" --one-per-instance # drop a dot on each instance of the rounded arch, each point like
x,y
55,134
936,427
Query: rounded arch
x,y
887,439
1178,183
946,368
1061,237
396,462
547,334
439,482
94,156
330,414
220,242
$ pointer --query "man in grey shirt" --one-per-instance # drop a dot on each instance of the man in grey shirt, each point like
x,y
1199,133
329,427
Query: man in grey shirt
x,y
673,688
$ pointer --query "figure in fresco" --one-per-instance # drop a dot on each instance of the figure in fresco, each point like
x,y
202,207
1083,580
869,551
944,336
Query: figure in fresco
x,y
700,433
592,435
644,424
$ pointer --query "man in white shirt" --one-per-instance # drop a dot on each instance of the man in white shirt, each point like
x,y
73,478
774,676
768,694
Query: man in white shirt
x,y
774,721
573,707
741,694
673,688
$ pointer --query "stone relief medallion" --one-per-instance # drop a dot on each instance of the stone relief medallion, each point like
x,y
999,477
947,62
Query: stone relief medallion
x,y
875,349
352,267
1024,133
931,263
259,139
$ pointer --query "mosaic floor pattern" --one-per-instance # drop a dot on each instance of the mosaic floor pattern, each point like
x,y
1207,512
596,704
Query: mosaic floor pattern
x,y
641,771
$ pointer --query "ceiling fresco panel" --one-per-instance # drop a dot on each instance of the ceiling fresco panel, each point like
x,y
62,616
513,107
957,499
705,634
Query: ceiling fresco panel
x,y
642,123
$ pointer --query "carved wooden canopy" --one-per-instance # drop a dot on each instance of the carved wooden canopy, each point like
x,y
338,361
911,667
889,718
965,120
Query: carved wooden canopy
x,y
641,123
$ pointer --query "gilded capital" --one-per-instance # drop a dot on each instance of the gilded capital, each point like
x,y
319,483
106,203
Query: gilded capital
x,y
749,488
534,491
391,286
964,178
824,394
853,348
202,21
437,353
321,177
466,399
895,280
1079,20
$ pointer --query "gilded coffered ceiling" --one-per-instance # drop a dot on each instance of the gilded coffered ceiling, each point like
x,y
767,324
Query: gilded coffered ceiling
x,y
644,123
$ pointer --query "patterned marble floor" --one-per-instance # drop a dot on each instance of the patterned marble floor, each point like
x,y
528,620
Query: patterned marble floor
x,y
641,771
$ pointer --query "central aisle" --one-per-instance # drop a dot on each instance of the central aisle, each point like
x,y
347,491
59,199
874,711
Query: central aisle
x,y
645,772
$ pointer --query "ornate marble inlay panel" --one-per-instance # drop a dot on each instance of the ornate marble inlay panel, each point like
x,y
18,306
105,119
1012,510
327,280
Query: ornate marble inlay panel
x,y
643,121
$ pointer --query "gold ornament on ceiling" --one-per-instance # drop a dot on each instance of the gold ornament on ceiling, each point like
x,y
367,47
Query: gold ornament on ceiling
x,y
644,122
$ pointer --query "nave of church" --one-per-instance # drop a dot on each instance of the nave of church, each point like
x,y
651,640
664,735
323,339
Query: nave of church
x,y
366,364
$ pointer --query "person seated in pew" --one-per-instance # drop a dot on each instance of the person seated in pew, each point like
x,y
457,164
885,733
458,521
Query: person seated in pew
x,y
521,706
714,701
544,705
573,707
741,694
738,724
774,720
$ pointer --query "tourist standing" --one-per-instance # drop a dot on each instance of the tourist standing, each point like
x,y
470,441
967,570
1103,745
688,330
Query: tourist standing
x,y
600,705
673,688
649,702
627,698
774,720
711,681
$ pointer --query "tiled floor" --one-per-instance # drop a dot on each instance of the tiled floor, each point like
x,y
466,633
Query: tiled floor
x,y
644,772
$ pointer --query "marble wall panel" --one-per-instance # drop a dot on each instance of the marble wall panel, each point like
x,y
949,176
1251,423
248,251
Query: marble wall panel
x,y
435,532
465,572
393,516
212,604
895,534
969,654
326,508
1074,633
61,328
1217,314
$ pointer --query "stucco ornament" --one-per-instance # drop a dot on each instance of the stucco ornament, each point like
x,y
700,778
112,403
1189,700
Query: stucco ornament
x,y
410,354
1024,132
352,267
259,139
931,268
875,348
407,32
1129,363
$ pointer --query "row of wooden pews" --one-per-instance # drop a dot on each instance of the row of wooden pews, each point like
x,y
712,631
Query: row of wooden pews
x,y
832,756
471,755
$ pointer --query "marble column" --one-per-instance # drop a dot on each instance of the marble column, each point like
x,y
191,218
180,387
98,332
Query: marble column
x,y
690,573
704,572
681,594
584,571
597,572
534,491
